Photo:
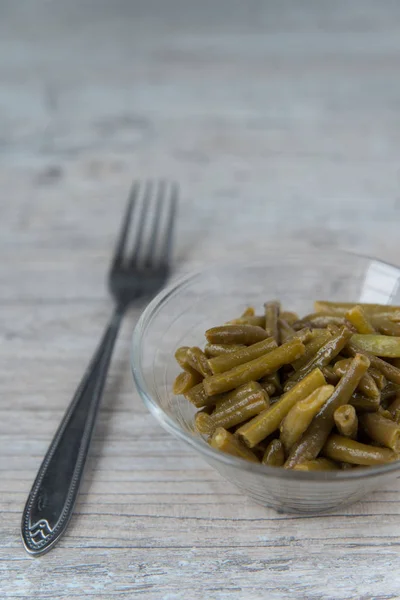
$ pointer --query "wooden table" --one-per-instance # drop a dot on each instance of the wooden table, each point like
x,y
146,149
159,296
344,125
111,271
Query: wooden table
x,y
281,121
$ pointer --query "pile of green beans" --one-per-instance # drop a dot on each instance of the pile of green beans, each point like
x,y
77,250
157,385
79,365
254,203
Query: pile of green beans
x,y
318,393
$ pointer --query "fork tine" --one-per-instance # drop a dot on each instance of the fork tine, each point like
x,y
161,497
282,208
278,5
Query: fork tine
x,y
142,219
152,244
120,246
166,245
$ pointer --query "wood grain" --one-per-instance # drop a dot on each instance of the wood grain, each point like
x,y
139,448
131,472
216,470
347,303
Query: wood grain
x,y
280,120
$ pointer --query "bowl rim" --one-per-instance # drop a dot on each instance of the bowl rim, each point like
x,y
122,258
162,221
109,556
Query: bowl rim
x,y
154,307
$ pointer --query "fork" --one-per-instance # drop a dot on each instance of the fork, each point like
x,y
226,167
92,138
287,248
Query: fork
x,y
133,276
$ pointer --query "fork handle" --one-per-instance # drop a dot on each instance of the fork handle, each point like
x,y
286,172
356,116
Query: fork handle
x,y
51,500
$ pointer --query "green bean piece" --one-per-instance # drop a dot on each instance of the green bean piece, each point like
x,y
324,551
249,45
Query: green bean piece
x,y
272,310
225,362
394,406
248,312
274,379
386,326
318,464
389,371
268,387
382,430
367,384
254,369
236,334
237,395
320,321
185,381
226,442
312,441
181,358
378,377
301,414
385,413
202,423
330,375
274,456
285,330
257,320
323,357
242,405
346,450
269,420
319,337
211,350
289,317
363,403
360,320
379,345
198,360
341,308
197,396
346,420
389,391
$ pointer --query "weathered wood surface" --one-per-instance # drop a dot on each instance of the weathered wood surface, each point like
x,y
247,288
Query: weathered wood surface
x,y
281,122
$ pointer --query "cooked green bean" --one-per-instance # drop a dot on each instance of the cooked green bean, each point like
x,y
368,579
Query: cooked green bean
x,y
389,391
367,384
301,414
341,308
378,377
323,356
289,316
360,320
310,444
257,320
236,334
198,360
386,326
285,330
389,371
274,456
385,413
272,310
181,357
268,386
319,337
254,369
185,381
244,403
394,406
318,464
346,450
211,350
320,321
379,345
269,420
226,442
364,403
382,430
274,379
225,362
346,420
330,375
197,396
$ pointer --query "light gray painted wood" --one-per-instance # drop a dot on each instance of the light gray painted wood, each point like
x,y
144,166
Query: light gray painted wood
x,y
281,122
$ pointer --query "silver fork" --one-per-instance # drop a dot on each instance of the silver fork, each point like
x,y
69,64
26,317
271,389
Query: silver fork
x,y
133,275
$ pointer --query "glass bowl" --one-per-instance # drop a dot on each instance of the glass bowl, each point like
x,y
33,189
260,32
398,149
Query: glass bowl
x,y
181,313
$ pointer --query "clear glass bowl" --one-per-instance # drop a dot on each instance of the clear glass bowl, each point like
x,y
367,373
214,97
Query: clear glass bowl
x,y
180,314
